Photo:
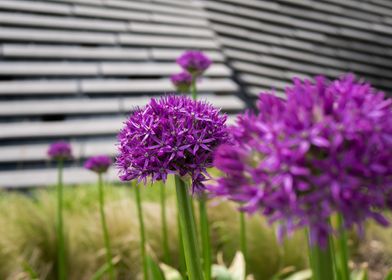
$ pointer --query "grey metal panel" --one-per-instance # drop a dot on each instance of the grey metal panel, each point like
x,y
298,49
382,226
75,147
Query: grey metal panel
x,y
48,68
61,106
260,69
246,45
149,7
153,85
161,18
36,6
61,22
172,54
41,35
256,90
73,52
263,81
48,177
29,130
170,29
140,69
261,4
167,41
26,68
106,12
88,2
38,152
99,105
37,87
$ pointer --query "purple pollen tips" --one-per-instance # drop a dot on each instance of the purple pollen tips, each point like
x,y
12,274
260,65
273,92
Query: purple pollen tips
x,y
169,136
98,164
324,150
60,150
182,81
194,62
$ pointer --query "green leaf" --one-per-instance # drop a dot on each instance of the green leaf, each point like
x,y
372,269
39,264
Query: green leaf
x,y
237,267
100,272
104,269
154,272
360,275
30,271
220,272
170,273
389,276
301,275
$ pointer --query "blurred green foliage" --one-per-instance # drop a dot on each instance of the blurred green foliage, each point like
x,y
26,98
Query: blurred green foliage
x,y
28,239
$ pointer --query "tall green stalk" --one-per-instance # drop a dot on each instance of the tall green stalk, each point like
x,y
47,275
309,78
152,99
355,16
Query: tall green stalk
x,y
105,228
342,255
142,232
204,226
60,226
244,247
321,261
205,237
193,88
181,256
188,231
165,239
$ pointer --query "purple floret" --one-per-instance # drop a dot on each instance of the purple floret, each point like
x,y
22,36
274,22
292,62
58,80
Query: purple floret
x,y
182,81
195,62
98,164
60,150
324,150
171,135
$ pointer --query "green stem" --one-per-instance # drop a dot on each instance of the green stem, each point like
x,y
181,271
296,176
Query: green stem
x,y
193,88
244,247
142,232
165,239
60,226
321,260
343,253
188,231
181,256
205,237
105,228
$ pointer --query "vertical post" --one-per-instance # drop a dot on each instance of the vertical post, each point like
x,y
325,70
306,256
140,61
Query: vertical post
x,y
188,231
205,237
60,226
343,253
104,227
142,232
165,241
321,260
244,247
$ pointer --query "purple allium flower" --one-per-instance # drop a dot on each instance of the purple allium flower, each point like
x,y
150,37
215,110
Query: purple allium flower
x,y
182,81
60,150
98,164
170,135
326,149
195,62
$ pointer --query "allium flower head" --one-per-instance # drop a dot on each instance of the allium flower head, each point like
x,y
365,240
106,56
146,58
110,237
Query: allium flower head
x,y
195,62
324,150
182,81
60,150
171,135
98,164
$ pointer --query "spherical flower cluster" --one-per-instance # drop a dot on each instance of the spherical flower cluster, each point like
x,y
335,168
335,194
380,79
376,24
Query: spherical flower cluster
x,y
60,150
170,135
98,164
182,81
194,62
324,150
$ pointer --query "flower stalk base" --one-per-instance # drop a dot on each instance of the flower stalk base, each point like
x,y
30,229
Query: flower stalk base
x,y
188,231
